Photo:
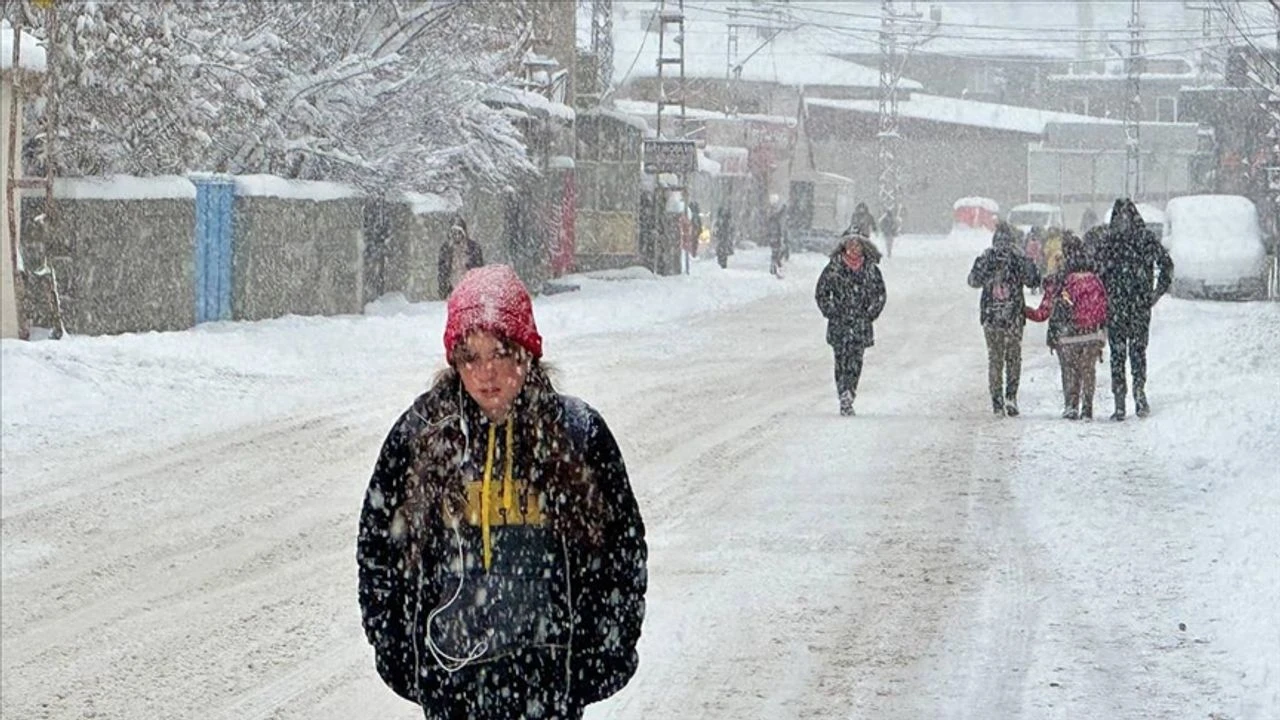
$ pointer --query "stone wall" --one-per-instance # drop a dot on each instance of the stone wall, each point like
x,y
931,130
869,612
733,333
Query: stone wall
x,y
122,265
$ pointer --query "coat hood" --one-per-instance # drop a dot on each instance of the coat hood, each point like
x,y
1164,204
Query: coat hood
x,y
1004,236
1125,217
869,251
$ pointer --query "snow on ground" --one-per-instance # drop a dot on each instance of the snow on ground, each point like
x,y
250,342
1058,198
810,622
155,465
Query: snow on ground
x,y
222,374
179,510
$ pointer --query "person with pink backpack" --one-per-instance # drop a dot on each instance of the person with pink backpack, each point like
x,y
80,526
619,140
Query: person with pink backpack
x,y
1075,304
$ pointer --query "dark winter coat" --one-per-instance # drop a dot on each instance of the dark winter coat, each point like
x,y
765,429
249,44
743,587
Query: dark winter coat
x,y
1002,271
444,266
888,225
862,223
559,605
1129,257
851,300
724,235
776,230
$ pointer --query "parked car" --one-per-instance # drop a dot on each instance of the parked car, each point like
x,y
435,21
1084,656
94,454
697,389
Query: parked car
x,y
1152,216
1043,215
1217,248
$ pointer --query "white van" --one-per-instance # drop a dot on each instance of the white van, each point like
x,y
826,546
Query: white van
x,y
1043,215
1217,248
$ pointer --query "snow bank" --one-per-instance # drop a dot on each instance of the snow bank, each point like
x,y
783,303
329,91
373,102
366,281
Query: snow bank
x,y
31,51
278,187
226,374
124,187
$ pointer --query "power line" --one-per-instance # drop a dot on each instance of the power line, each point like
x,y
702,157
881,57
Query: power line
x,y
986,26
968,37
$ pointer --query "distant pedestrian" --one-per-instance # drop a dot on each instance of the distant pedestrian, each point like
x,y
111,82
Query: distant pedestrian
x,y
889,229
723,236
861,223
458,254
851,296
1002,271
776,235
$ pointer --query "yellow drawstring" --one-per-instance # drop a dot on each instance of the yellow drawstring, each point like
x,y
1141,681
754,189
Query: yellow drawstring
x,y
508,484
484,499
508,487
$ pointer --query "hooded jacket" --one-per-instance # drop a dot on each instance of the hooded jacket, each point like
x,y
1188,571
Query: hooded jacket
x,y
1002,271
851,300
1129,257
486,592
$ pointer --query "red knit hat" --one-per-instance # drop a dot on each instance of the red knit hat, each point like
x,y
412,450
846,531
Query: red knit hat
x,y
492,298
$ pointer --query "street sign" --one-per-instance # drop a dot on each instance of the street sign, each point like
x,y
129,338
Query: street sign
x,y
670,156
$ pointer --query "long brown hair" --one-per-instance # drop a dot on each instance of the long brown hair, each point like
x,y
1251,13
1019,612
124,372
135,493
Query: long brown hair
x,y
554,460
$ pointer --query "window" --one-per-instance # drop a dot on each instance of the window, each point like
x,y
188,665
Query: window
x,y
1080,105
1166,109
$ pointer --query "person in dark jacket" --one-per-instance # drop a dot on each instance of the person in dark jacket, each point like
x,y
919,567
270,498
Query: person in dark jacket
x,y
724,236
889,229
851,296
1137,271
458,254
1002,271
862,222
776,235
501,552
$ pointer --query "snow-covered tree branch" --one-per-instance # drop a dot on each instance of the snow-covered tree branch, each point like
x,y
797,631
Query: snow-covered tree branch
x,y
386,94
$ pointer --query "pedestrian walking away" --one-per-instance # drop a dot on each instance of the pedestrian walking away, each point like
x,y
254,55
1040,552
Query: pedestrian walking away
x,y
776,234
501,553
1075,305
1002,271
723,236
851,296
1137,271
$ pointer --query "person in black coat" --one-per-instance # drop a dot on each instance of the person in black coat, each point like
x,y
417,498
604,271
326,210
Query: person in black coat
x,y
1002,271
458,254
1137,271
501,552
851,296
723,236
862,222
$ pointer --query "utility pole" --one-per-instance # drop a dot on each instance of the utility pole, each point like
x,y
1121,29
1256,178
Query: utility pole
x,y
671,95
1133,105
602,43
887,137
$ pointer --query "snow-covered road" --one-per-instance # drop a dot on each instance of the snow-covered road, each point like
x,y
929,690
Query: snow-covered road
x,y
922,560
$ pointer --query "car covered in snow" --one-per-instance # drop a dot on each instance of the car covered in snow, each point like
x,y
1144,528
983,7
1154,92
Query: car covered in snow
x,y
1152,216
1043,215
1217,247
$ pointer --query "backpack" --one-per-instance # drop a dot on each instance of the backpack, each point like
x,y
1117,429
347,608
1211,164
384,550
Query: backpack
x,y
1004,304
1088,301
